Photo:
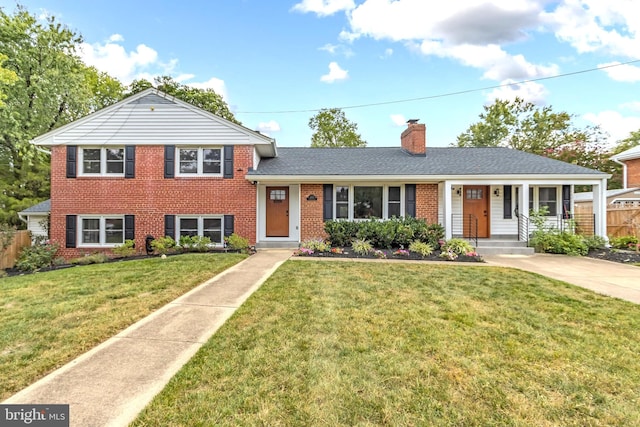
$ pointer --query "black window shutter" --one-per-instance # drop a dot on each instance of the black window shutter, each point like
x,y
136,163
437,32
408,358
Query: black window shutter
x,y
410,200
228,161
129,161
169,161
129,227
72,161
566,201
71,231
506,207
170,226
228,225
327,202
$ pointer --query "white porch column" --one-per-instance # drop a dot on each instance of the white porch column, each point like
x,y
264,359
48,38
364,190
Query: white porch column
x,y
446,212
600,208
523,199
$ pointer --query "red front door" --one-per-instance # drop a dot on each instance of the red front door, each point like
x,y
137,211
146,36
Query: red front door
x,y
277,212
476,208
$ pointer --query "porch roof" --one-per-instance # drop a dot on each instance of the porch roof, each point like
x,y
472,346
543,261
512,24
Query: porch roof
x,y
394,161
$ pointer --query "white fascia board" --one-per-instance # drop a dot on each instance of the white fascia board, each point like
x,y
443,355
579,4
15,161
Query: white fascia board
x,y
452,179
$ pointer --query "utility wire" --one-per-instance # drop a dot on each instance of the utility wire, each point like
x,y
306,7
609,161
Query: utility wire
x,y
443,95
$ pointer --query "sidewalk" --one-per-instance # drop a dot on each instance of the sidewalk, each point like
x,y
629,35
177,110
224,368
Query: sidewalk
x,y
605,277
111,384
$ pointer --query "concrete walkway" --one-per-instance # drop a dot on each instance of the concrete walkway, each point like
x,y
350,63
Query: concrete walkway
x,y
111,384
605,277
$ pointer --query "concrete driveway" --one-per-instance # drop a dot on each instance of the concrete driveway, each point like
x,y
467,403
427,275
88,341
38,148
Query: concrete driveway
x,y
605,277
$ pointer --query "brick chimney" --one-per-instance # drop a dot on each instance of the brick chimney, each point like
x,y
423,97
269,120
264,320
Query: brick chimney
x,y
414,138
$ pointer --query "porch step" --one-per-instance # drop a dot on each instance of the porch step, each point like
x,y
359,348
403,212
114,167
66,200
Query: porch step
x,y
503,247
277,245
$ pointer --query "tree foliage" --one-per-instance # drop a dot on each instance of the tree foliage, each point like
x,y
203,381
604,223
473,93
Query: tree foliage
x,y
332,129
52,87
207,99
539,130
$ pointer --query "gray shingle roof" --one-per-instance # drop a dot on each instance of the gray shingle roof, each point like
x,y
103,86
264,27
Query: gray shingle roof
x,y
439,161
42,207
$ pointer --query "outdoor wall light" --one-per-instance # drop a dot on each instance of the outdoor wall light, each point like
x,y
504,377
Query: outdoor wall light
x,y
312,197
459,191
496,192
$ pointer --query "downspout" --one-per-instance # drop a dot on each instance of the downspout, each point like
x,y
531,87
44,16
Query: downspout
x,y
624,172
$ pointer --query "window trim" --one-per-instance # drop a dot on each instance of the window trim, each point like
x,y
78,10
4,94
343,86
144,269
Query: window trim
x,y
200,226
103,161
200,161
534,198
102,231
351,200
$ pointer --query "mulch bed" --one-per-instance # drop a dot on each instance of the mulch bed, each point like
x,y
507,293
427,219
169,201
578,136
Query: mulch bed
x,y
616,255
348,253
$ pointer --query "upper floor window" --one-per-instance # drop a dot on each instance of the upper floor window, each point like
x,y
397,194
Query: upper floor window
x,y
199,161
102,161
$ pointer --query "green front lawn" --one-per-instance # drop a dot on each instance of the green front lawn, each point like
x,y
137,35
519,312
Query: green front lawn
x,y
47,319
348,343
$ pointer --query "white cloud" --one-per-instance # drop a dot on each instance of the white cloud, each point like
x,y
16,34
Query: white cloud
x,y
268,127
387,53
531,92
398,119
621,73
214,83
323,7
113,59
116,38
632,106
335,73
615,124
337,49
608,26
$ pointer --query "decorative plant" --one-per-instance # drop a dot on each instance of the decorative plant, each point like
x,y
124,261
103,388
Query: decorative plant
x,y
380,254
186,243
128,248
401,253
163,245
200,243
457,246
237,242
303,252
421,248
337,251
40,255
317,245
361,247
449,255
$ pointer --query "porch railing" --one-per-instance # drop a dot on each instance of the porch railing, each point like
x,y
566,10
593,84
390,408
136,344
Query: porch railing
x,y
466,227
523,228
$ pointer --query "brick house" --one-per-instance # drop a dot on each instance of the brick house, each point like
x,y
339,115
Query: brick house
x,y
154,165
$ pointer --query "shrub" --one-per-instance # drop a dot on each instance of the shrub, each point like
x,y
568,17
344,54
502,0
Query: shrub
x,y
163,245
623,242
40,255
422,248
316,245
340,232
457,246
595,242
237,242
94,258
128,248
559,242
361,247
186,243
449,255
200,243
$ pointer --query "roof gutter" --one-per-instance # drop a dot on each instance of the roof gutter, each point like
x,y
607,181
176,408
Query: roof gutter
x,y
624,171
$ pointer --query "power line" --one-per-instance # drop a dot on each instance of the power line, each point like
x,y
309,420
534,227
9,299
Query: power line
x,y
443,95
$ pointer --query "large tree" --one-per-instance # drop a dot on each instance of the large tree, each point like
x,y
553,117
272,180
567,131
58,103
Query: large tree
x,y
207,99
52,87
539,130
332,129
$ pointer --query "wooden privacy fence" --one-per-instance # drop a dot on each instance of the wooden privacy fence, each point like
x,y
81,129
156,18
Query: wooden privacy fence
x,y
623,221
10,254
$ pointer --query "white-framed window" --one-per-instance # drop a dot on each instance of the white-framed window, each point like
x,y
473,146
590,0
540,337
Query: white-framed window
x,y
105,230
361,202
199,161
101,161
539,197
200,225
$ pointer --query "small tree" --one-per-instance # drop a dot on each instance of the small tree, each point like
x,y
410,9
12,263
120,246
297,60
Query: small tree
x,y
332,129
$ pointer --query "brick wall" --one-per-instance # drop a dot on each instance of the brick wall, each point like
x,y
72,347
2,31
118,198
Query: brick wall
x,y
414,138
633,173
311,223
427,202
149,196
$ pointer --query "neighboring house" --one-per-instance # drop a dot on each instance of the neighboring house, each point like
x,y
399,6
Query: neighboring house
x,y
154,165
630,161
37,218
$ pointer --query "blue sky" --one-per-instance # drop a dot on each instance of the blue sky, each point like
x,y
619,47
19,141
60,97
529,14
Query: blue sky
x,y
277,61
